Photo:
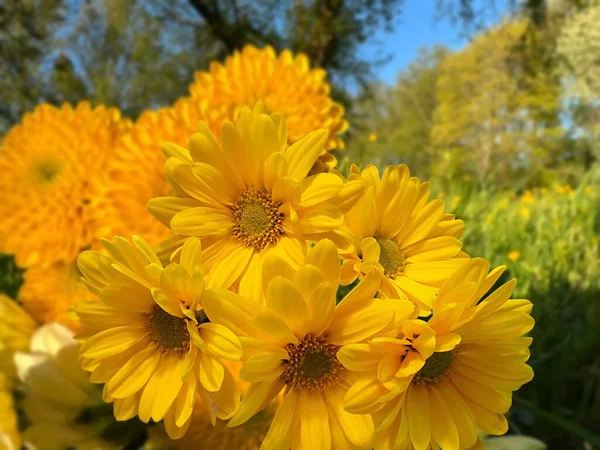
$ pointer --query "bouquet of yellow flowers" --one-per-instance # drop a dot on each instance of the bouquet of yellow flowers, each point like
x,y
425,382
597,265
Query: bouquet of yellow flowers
x,y
263,299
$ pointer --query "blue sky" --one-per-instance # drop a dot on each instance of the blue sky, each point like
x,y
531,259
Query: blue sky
x,y
416,27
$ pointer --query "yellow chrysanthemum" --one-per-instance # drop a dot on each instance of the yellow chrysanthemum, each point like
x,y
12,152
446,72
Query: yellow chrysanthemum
x,y
137,170
148,338
9,426
284,83
16,328
252,196
57,394
398,230
52,181
434,384
290,345
48,293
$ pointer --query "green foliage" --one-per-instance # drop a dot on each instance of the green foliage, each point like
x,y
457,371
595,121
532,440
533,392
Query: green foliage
x,y
11,276
395,123
496,118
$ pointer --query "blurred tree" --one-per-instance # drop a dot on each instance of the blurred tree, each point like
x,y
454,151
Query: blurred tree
x,y
330,32
579,53
395,123
137,54
25,26
499,118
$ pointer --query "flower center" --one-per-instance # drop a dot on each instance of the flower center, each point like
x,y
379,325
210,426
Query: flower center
x,y
46,171
390,256
169,332
435,366
257,221
312,364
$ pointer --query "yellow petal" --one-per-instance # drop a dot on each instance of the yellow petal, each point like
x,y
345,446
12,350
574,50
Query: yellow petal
x,y
321,304
202,221
314,421
211,373
302,155
220,341
363,396
257,396
283,298
325,257
279,436
419,419
273,328
264,366
113,341
444,431
133,376
358,429
319,188
165,208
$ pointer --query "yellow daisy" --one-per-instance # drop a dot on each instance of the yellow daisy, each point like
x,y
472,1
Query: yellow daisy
x,y
252,196
137,170
9,426
49,292
290,346
436,383
148,338
16,328
52,181
398,230
284,83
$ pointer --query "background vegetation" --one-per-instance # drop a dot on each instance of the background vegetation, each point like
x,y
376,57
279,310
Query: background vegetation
x,y
505,128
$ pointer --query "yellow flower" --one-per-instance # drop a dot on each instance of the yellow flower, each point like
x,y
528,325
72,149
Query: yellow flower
x,y
284,83
434,384
148,338
137,170
16,328
513,255
9,427
252,196
290,344
58,394
396,229
528,197
524,212
53,180
48,293
373,137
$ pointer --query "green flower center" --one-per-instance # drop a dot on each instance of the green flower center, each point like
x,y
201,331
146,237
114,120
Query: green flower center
x,y
46,171
169,332
312,364
390,256
257,221
435,366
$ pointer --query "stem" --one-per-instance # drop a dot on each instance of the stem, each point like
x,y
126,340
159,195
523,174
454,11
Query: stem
x,y
566,424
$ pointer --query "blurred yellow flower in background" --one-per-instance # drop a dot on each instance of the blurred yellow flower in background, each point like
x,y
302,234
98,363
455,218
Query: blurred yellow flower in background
x,y
513,255
373,137
285,84
148,338
49,292
16,328
396,228
9,426
524,212
53,179
137,170
57,394
252,196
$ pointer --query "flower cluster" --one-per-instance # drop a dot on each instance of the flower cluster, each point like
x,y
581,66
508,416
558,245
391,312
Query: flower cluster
x,y
270,301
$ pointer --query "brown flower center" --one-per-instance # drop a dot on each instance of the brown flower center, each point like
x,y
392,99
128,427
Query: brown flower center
x,y
169,332
257,221
312,364
435,367
390,256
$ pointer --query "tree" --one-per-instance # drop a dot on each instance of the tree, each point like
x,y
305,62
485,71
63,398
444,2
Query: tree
x,y
495,115
397,120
